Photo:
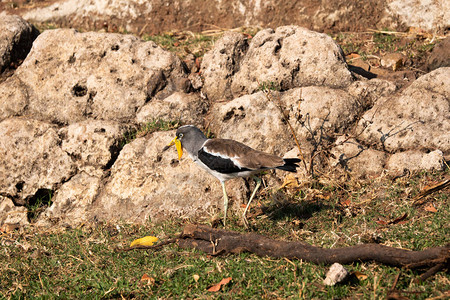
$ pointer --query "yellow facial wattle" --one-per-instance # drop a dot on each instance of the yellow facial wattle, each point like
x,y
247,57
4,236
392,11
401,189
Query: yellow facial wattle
x,y
177,143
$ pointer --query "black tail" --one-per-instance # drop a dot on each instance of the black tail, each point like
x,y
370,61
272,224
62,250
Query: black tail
x,y
290,164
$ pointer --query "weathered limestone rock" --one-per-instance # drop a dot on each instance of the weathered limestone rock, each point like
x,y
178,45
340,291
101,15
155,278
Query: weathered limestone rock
x,y
221,63
69,77
72,201
291,56
353,157
11,214
393,61
93,142
187,108
424,14
369,91
147,183
16,38
440,56
322,112
417,119
253,120
31,158
415,161
288,57
14,98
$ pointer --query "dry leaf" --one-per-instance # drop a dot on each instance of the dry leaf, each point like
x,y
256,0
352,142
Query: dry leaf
x,y
147,280
360,276
145,241
290,181
196,277
216,287
352,55
345,202
430,207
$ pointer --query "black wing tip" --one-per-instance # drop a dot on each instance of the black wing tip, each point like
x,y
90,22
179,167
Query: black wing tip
x,y
290,164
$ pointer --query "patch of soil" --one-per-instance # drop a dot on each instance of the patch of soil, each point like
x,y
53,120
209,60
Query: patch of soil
x,y
324,16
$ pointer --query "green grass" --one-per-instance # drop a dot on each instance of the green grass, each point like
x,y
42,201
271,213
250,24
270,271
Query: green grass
x,y
183,43
384,40
37,204
149,127
83,263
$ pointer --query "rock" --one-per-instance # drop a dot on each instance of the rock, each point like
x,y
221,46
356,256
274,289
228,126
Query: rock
x,y
14,98
289,57
196,81
93,142
322,113
16,38
337,273
186,108
11,214
72,201
253,120
440,56
221,63
31,159
415,161
273,57
417,119
356,159
424,14
370,90
146,183
393,61
69,77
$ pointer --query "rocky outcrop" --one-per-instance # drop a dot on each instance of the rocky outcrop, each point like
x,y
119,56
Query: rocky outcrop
x,y
428,15
70,76
69,115
418,118
31,159
284,58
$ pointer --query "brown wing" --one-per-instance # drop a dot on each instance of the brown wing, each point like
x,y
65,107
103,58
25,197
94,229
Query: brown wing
x,y
243,155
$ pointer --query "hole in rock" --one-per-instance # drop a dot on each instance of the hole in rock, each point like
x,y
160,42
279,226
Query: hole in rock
x,y
38,203
79,90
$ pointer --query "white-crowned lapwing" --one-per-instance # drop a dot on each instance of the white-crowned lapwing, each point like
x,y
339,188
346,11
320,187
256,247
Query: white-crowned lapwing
x,y
227,159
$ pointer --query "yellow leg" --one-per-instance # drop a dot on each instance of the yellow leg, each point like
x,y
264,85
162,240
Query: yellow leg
x,y
225,203
258,184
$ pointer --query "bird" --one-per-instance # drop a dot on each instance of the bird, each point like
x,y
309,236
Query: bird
x,y
227,159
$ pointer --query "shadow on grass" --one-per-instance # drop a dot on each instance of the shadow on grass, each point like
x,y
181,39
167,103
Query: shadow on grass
x,y
294,209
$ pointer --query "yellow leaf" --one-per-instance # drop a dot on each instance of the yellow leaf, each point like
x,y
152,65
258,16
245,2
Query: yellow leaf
x,y
196,277
290,181
360,276
145,241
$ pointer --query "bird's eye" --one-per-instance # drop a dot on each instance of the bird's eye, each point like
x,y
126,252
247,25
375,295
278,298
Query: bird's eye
x,y
180,135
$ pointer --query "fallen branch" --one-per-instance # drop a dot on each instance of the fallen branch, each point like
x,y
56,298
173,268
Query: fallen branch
x,y
219,241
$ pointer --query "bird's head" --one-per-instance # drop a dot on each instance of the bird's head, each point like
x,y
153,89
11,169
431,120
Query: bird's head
x,y
188,137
